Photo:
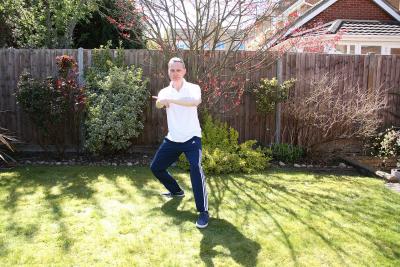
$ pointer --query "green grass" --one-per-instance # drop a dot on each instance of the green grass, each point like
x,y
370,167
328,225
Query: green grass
x,y
91,216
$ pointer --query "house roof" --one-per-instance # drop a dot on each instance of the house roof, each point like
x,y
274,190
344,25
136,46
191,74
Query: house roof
x,y
354,27
319,8
368,27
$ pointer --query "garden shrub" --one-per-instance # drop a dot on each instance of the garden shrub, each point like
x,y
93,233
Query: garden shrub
x,y
117,95
287,152
115,110
269,92
223,154
51,102
102,61
40,100
387,143
6,146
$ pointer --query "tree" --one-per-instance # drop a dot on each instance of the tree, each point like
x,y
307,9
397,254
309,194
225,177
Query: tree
x,y
205,26
104,25
212,33
44,23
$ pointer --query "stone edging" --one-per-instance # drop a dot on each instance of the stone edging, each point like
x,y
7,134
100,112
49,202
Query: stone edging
x,y
370,171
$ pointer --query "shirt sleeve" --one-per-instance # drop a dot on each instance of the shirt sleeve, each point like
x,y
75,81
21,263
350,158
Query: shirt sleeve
x,y
197,93
161,94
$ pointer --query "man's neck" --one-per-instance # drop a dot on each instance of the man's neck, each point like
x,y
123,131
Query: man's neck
x,y
177,84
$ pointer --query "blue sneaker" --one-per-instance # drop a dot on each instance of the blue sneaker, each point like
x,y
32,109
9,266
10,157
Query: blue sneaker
x,y
202,221
171,195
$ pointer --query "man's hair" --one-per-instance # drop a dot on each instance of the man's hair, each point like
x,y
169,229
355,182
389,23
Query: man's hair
x,y
176,59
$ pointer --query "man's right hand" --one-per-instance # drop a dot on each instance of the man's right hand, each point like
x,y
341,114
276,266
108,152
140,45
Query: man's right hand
x,y
161,103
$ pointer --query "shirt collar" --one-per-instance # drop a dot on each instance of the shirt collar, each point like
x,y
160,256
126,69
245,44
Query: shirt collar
x,y
183,84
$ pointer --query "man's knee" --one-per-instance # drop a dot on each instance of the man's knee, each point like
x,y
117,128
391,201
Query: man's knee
x,y
154,168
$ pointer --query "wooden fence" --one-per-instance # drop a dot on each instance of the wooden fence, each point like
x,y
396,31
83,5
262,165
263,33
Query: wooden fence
x,y
370,72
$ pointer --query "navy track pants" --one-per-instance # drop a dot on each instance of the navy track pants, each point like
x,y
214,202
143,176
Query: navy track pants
x,y
167,154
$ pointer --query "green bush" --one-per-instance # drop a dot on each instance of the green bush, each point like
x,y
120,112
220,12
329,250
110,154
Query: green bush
x,y
268,93
53,103
223,154
102,62
41,101
387,143
115,110
287,152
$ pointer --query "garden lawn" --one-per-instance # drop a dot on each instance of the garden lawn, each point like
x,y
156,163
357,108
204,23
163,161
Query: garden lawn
x,y
114,216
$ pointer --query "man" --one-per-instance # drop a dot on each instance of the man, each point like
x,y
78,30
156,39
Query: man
x,y
181,99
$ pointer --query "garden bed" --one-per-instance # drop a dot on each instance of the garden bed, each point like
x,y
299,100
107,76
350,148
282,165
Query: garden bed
x,y
374,166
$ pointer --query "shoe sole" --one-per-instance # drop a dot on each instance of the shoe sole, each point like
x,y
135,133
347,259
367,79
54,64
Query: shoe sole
x,y
201,226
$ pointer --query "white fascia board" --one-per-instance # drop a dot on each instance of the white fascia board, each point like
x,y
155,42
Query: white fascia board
x,y
292,8
309,17
370,38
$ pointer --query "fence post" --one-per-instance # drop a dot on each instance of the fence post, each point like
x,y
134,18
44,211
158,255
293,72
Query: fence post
x,y
80,66
81,133
278,108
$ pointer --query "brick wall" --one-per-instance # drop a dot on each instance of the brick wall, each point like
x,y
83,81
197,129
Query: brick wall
x,y
351,9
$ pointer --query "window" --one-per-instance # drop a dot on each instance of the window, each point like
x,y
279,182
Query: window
x,y
238,45
352,49
220,46
395,51
341,49
370,50
182,45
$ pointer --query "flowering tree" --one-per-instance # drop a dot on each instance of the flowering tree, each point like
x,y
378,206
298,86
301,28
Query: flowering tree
x,y
208,34
126,17
314,38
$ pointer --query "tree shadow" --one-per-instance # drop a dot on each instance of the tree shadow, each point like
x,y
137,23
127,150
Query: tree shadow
x,y
220,232
284,199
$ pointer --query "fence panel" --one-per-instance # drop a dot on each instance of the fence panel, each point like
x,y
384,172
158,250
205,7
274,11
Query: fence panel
x,y
368,72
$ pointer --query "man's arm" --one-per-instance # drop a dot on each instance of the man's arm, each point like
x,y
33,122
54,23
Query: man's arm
x,y
185,101
192,101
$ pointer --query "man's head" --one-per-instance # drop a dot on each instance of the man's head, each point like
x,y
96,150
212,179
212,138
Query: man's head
x,y
176,69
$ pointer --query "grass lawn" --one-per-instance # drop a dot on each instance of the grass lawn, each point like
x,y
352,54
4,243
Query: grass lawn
x,y
114,216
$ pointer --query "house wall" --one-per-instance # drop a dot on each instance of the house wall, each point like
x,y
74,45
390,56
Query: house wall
x,y
350,9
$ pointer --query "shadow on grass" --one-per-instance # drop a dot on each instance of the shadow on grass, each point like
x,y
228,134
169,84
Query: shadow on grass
x,y
272,195
56,184
290,198
219,232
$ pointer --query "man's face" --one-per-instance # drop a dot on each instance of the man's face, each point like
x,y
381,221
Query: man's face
x,y
176,71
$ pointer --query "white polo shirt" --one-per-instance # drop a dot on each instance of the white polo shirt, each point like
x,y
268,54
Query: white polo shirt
x,y
183,122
